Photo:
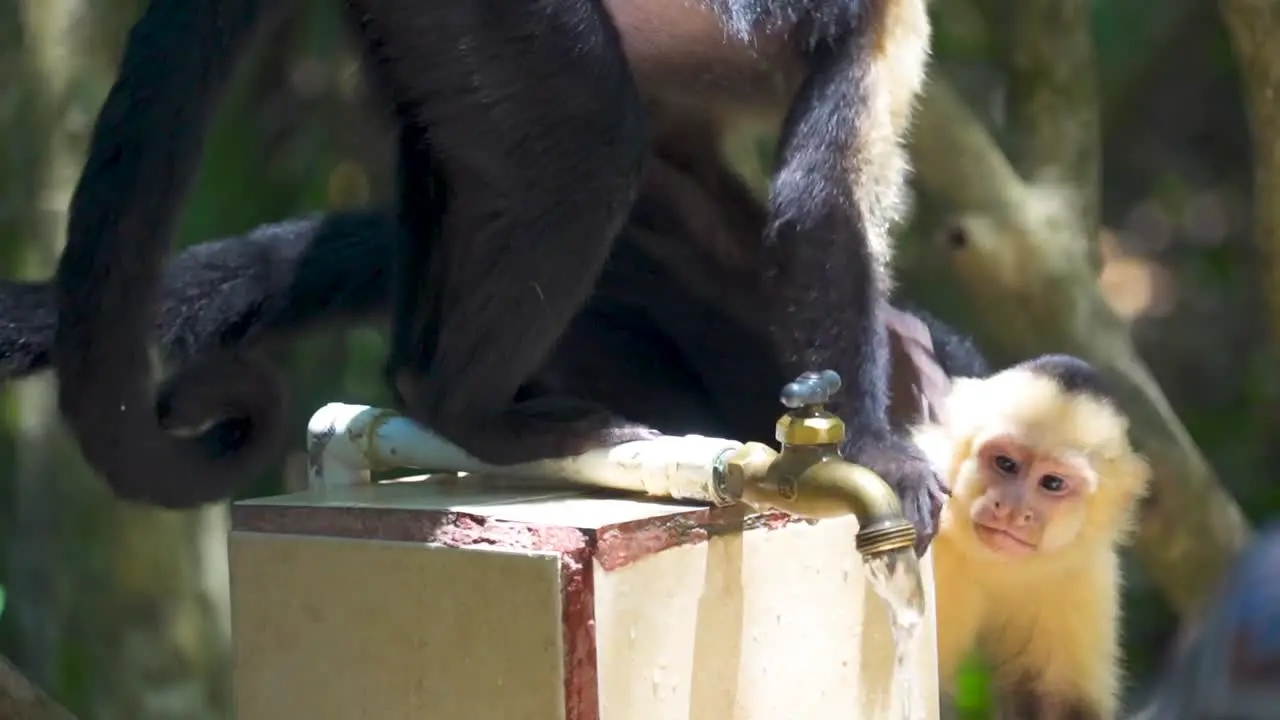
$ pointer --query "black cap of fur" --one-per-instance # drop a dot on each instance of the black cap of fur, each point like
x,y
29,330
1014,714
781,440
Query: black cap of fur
x,y
1073,375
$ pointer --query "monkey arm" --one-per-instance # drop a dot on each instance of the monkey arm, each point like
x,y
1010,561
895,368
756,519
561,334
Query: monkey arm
x,y
276,281
956,352
223,299
26,331
235,293
828,249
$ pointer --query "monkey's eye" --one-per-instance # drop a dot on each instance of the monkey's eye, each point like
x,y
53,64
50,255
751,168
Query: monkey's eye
x,y
1053,484
1006,464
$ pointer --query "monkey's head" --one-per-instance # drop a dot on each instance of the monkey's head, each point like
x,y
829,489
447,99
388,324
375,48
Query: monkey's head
x,y
1038,461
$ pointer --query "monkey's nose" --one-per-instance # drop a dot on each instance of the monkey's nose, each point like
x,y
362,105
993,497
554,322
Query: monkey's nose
x,y
1024,518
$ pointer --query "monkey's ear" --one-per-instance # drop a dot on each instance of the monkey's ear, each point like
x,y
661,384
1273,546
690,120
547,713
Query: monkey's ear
x,y
1137,475
941,449
1126,482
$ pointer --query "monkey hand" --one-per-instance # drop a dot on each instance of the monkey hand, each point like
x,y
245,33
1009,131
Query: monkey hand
x,y
558,425
536,428
904,467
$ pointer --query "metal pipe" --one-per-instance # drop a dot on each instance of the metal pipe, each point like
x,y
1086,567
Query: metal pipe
x,y
882,527
346,442
808,478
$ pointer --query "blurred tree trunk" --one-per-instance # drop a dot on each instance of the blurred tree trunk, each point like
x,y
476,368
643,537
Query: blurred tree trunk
x,y
22,163
121,610
1053,74
1017,252
1254,26
1020,256
20,700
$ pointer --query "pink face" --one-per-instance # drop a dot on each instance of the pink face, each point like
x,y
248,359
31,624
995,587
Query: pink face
x,y
1029,499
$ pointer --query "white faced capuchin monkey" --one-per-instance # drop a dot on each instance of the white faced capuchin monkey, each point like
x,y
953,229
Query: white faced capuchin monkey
x,y
1044,487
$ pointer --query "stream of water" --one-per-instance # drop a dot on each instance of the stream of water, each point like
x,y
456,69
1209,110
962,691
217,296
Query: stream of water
x,y
895,576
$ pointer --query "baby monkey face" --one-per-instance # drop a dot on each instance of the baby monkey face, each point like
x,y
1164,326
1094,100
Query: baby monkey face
x,y
1027,500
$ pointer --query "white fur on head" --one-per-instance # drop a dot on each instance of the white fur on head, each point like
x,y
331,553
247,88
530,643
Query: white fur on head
x,y
1035,410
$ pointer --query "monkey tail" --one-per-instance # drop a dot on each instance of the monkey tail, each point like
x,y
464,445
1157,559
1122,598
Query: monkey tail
x,y
236,400
224,302
144,151
27,322
230,403
260,288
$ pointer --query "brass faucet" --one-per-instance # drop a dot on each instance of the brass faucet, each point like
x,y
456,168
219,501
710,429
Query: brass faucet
x,y
809,478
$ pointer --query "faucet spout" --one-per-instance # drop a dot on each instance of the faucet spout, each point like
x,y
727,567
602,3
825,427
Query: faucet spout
x,y
809,477
882,526
814,481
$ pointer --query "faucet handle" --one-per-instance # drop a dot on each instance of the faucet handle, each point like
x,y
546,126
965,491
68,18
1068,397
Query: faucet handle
x,y
811,388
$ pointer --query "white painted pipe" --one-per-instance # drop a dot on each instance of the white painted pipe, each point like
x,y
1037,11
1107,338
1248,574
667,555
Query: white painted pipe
x,y
346,442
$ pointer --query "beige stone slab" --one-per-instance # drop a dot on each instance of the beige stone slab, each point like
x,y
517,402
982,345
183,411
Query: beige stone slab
x,y
453,600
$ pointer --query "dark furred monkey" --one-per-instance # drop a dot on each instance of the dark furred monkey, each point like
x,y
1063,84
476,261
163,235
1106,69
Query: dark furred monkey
x,y
679,364
523,130
663,340
669,337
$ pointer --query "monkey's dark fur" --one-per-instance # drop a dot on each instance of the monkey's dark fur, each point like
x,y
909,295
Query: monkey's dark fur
x,y
643,346
263,288
646,346
524,127
236,293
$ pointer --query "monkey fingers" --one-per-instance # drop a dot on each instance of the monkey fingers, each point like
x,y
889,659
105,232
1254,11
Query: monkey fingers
x,y
563,426
903,466
541,426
